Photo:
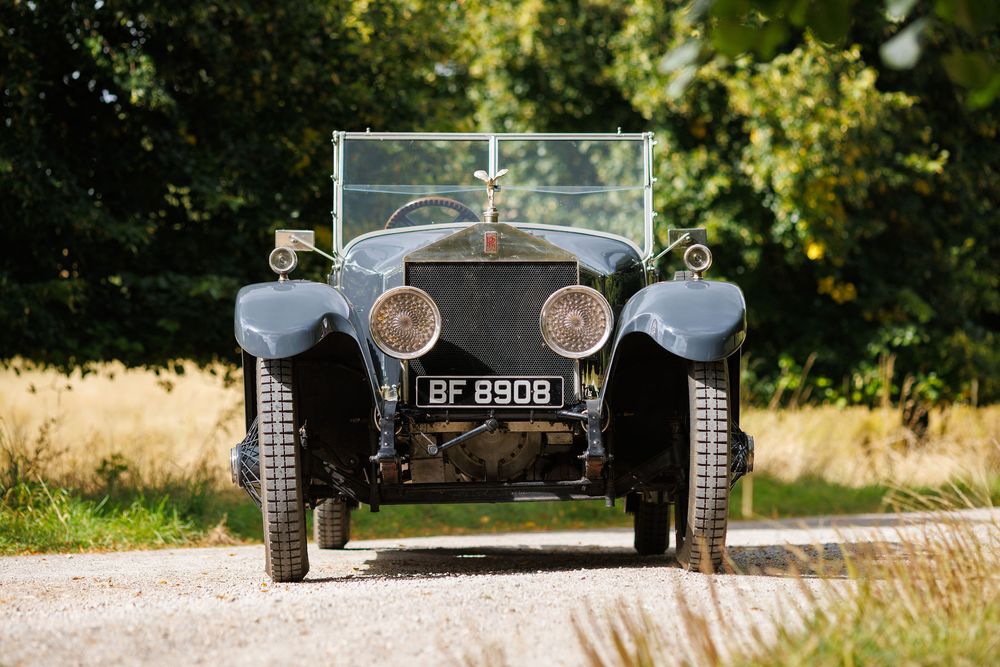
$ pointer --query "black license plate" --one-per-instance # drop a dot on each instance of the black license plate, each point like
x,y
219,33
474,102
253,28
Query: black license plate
x,y
467,391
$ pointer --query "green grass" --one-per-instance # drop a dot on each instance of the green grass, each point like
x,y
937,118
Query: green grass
x,y
869,630
37,518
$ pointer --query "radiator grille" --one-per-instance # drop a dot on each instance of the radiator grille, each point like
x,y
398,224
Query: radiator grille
x,y
489,313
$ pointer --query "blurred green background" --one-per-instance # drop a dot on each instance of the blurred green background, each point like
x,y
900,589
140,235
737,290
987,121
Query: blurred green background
x,y
843,156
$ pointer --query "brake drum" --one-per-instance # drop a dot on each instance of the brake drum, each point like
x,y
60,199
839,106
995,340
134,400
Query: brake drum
x,y
495,457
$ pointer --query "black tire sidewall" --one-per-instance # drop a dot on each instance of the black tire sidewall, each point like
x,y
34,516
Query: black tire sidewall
x,y
695,466
282,369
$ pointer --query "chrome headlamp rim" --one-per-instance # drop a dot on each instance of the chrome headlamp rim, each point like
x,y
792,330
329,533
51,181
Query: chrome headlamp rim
x,y
690,263
599,299
382,344
272,258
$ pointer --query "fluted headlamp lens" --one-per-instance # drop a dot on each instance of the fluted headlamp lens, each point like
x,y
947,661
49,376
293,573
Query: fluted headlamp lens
x,y
405,322
576,321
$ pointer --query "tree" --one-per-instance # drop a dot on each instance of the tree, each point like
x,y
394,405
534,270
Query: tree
x,y
853,202
958,34
840,193
151,148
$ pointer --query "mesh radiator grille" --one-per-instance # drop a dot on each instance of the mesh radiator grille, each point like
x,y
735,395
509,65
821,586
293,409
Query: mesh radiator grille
x,y
489,313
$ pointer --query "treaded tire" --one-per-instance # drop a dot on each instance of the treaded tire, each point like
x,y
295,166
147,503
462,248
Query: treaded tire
x,y
332,524
282,504
707,500
652,528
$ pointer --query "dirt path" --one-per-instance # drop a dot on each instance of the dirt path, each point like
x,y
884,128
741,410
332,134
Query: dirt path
x,y
426,601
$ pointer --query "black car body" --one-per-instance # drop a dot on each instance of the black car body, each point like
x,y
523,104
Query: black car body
x,y
452,357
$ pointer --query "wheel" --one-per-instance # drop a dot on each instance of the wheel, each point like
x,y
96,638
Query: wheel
x,y
652,527
332,524
705,508
282,503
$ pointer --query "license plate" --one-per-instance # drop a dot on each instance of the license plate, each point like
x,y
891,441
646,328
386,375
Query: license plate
x,y
466,391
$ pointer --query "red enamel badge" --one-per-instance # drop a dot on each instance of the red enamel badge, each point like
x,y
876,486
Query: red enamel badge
x,y
491,243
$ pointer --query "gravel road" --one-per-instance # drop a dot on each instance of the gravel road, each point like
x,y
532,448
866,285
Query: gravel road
x,y
424,601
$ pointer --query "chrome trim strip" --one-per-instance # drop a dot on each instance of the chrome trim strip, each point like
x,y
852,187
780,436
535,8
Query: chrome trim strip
x,y
519,225
647,203
471,136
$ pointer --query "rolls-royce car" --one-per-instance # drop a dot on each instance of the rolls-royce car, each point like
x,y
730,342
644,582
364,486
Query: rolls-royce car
x,y
493,328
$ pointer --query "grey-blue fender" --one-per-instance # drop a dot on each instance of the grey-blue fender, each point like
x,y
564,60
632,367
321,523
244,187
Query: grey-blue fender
x,y
285,318
699,320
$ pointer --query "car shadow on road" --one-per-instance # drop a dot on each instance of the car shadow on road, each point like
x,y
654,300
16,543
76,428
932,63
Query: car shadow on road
x,y
424,563
827,561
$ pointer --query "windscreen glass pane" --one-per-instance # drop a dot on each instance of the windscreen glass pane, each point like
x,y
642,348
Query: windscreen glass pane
x,y
593,184
585,183
381,176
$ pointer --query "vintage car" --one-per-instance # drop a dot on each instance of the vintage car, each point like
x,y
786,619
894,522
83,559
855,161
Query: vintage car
x,y
526,352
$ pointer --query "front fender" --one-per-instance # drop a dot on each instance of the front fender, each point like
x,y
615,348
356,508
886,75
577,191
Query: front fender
x,y
700,320
285,318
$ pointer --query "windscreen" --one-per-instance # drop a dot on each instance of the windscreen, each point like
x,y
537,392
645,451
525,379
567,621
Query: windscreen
x,y
585,183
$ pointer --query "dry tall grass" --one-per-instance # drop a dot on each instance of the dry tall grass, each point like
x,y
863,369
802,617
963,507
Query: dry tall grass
x,y
166,426
926,594
858,446
171,424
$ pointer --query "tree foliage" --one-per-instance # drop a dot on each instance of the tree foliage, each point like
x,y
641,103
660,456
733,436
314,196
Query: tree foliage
x,y
150,149
854,203
958,33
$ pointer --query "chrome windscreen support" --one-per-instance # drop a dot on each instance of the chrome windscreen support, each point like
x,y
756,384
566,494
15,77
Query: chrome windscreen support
x,y
651,263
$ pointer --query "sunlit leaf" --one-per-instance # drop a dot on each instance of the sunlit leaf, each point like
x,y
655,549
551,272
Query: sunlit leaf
x,y
683,55
897,10
903,51
985,95
681,80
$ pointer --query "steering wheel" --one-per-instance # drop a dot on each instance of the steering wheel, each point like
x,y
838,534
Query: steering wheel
x,y
401,216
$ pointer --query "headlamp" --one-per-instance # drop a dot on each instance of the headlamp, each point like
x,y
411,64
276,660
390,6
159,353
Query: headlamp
x,y
698,258
576,321
283,261
405,322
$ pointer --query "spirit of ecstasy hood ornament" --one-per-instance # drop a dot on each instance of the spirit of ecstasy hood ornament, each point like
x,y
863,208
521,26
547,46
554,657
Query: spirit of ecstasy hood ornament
x,y
491,214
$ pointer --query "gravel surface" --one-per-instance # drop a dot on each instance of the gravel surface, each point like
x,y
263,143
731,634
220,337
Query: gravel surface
x,y
496,599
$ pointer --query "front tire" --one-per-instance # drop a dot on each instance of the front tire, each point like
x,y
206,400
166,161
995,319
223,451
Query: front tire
x,y
282,504
332,524
705,507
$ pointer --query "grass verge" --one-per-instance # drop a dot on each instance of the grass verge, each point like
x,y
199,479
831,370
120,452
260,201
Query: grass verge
x,y
927,594
35,517
129,476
